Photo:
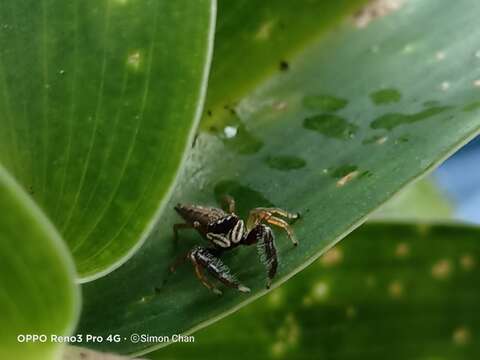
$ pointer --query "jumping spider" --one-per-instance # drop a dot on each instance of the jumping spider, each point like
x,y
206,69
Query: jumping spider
x,y
225,231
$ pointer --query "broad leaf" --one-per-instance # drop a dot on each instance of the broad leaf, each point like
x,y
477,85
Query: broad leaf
x,y
38,295
387,292
264,34
352,121
98,103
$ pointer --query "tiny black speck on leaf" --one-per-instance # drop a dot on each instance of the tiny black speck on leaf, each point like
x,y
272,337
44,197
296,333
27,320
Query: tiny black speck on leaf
x,y
284,66
230,108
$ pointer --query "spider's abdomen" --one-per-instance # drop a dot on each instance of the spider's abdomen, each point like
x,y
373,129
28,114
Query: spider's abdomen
x,y
210,219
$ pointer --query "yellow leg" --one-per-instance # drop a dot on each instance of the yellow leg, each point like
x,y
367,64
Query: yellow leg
x,y
200,275
284,225
266,214
277,211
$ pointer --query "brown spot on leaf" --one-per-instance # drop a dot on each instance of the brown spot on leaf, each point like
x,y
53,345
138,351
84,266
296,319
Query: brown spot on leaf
x,y
375,9
347,178
442,269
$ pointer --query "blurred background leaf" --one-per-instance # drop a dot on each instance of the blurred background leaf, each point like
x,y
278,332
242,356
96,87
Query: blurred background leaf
x,y
335,132
422,201
387,292
37,293
98,104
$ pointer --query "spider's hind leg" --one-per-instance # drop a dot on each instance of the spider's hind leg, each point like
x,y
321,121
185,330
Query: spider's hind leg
x,y
263,236
205,259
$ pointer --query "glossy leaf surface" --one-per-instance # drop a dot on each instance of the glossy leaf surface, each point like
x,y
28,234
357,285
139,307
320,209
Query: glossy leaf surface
x,y
333,137
37,294
98,103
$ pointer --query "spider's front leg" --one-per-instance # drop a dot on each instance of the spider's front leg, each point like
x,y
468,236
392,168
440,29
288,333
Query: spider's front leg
x,y
258,215
203,258
263,236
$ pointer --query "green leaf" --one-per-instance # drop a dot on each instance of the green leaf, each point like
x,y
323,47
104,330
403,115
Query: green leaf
x,y
387,292
98,104
365,154
38,294
264,34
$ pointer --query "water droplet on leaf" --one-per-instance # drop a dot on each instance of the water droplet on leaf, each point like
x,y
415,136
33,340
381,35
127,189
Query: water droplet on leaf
x,y
285,162
325,103
385,96
332,126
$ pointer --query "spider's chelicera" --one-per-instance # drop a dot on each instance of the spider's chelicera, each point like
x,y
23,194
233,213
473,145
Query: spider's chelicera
x,y
224,230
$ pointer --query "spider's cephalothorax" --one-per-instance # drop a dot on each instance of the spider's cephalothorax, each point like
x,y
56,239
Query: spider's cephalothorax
x,y
225,230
